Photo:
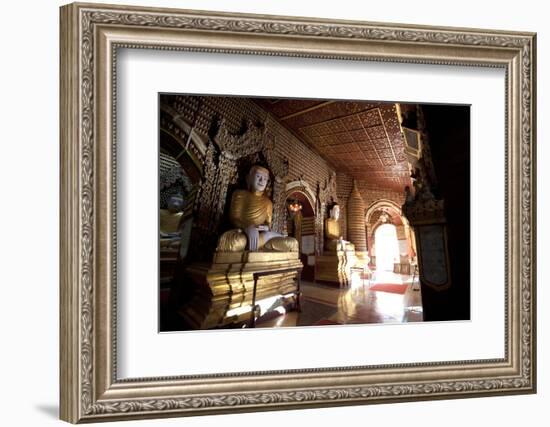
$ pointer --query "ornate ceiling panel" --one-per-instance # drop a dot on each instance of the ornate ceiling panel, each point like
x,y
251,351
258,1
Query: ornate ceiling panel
x,y
362,139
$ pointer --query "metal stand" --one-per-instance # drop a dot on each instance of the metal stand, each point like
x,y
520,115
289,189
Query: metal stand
x,y
415,274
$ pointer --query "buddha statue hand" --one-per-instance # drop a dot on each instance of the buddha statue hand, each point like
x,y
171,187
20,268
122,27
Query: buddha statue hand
x,y
236,241
253,235
260,238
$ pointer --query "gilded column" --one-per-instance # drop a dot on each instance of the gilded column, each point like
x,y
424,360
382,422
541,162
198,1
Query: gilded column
x,y
356,223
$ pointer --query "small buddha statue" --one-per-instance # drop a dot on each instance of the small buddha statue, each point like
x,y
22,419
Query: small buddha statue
x,y
251,212
334,240
170,218
170,222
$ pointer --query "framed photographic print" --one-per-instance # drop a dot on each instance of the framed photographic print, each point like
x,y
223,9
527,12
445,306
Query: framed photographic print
x,y
265,212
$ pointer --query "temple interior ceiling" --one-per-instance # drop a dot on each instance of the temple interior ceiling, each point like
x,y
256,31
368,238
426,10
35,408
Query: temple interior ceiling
x,y
361,139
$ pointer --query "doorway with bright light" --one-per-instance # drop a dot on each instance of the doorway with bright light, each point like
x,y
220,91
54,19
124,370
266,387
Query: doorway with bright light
x,y
386,247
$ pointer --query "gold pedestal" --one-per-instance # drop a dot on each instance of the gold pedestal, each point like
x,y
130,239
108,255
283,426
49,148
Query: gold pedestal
x,y
225,288
335,267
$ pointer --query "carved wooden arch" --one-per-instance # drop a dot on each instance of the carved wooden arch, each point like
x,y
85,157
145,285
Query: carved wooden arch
x,y
375,206
303,188
371,228
383,203
191,146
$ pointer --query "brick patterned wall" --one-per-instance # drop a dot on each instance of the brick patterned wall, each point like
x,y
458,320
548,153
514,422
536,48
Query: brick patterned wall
x,y
371,195
303,162
199,112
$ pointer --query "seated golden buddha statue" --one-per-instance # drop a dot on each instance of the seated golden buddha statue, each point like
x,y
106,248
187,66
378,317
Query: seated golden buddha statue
x,y
334,240
251,212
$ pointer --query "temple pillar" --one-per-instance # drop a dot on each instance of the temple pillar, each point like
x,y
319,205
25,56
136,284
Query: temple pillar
x,y
430,228
357,233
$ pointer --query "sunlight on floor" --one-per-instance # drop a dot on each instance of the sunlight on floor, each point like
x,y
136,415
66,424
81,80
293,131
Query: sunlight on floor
x,y
323,304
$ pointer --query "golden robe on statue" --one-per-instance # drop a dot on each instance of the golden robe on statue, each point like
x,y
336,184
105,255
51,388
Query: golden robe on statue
x,y
250,208
333,237
332,229
169,221
230,292
251,212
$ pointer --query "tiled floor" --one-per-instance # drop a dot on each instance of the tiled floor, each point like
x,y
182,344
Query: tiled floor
x,y
325,304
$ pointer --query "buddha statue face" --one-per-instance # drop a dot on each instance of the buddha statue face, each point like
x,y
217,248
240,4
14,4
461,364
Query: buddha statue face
x,y
257,179
175,204
335,212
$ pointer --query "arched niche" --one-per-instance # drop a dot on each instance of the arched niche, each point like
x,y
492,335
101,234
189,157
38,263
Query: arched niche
x,y
303,188
302,226
386,211
177,138
386,248
177,148
380,204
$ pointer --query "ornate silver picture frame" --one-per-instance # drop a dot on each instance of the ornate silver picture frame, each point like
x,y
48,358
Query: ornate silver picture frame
x,y
91,37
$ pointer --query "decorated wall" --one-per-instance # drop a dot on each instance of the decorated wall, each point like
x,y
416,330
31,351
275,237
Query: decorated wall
x,y
218,139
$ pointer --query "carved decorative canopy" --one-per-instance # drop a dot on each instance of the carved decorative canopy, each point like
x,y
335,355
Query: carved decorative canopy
x,y
362,139
393,217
